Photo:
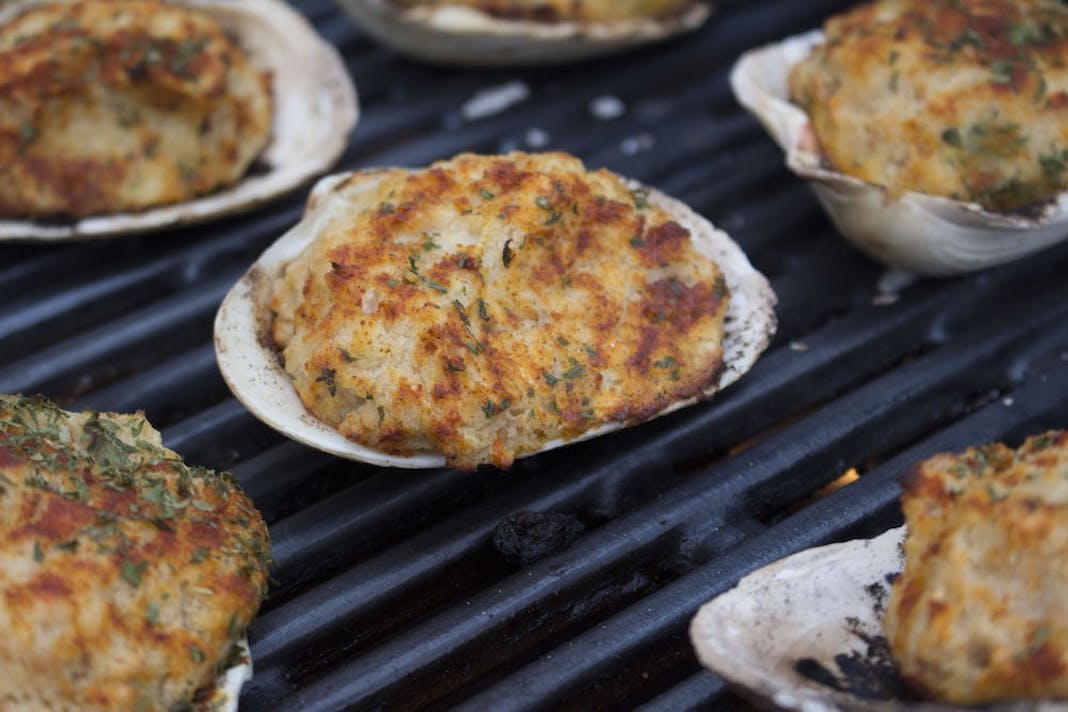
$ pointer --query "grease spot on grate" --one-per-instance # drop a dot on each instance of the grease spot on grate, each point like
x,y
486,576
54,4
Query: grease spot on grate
x,y
607,108
537,138
494,100
636,144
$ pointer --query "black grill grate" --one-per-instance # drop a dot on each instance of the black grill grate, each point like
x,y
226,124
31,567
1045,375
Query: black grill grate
x,y
389,591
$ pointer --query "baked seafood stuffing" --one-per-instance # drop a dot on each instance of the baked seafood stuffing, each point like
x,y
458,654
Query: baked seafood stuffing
x,y
128,576
517,32
931,132
561,10
109,106
490,307
125,116
959,98
980,613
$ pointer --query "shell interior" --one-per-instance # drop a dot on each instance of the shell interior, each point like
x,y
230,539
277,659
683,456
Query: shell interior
x,y
805,633
466,36
252,367
922,233
315,109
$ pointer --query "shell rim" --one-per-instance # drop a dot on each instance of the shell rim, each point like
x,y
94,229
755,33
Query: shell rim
x,y
789,126
452,34
732,661
252,368
252,189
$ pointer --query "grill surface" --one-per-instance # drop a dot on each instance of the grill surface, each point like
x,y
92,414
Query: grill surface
x,y
389,591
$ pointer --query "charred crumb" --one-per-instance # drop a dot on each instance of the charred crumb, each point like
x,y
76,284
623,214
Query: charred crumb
x,y
871,674
1035,211
525,537
867,674
62,220
816,671
879,596
259,167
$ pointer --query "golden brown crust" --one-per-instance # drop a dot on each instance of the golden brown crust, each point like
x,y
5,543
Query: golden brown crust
x,y
109,106
979,614
958,98
488,305
567,10
126,574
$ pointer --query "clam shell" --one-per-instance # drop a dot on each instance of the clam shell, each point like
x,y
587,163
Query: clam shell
x,y
468,37
224,697
252,367
817,612
315,109
922,233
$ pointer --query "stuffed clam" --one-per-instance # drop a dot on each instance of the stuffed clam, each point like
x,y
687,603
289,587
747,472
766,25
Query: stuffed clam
x,y
930,132
487,308
515,32
130,577
132,116
806,633
961,607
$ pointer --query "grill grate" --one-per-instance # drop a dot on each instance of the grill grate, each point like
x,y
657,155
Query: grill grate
x,y
389,591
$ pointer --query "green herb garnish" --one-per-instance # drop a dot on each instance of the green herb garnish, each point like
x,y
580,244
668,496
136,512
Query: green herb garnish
x,y
68,546
640,196
27,132
131,572
1003,72
577,370
952,137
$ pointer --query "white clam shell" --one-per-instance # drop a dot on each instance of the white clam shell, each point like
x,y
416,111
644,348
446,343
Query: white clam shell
x,y
315,109
252,367
821,605
922,233
224,697
466,36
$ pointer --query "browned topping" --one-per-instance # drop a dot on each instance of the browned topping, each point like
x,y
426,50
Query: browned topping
x,y
958,98
527,314
150,99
